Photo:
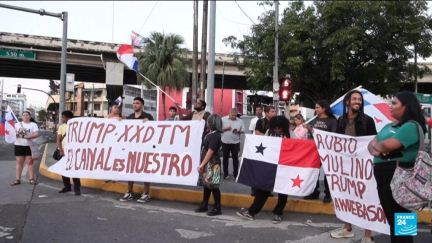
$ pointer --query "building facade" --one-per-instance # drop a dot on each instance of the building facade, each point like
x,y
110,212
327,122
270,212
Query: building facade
x,y
19,99
14,106
149,97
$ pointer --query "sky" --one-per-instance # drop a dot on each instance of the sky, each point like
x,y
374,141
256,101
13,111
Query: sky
x,y
96,21
113,21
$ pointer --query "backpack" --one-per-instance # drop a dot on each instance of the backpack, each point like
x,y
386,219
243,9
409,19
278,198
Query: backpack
x,y
412,188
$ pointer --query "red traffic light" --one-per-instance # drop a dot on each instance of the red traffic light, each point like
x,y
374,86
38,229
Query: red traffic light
x,y
19,89
284,89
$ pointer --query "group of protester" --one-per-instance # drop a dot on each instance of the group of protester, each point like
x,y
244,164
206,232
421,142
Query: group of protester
x,y
398,141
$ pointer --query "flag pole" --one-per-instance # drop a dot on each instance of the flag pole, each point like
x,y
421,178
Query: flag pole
x,y
15,118
156,86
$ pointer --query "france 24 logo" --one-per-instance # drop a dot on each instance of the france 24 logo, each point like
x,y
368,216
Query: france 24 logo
x,y
405,224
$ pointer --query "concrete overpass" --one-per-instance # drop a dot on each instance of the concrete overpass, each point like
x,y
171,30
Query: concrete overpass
x,y
40,56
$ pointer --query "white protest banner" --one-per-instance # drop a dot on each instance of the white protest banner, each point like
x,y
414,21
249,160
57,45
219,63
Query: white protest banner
x,y
348,167
132,150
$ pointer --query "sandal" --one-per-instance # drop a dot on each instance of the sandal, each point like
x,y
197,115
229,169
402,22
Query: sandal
x,y
16,182
33,182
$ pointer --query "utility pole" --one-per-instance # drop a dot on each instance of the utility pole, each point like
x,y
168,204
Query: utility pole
x,y
64,17
223,77
63,65
92,97
211,63
195,55
203,50
276,69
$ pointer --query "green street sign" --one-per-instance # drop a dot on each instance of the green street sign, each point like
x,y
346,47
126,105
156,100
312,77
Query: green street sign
x,y
17,53
424,98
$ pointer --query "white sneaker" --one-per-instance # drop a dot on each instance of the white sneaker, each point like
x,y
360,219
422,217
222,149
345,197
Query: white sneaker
x,y
367,240
144,198
128,196
342,233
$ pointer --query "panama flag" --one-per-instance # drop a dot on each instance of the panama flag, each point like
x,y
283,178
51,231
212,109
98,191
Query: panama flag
x,y
137,40
282,165
374,107
126,55
7,127
118,100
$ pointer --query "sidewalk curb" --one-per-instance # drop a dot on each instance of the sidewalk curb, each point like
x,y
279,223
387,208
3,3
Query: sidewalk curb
x,y
231,200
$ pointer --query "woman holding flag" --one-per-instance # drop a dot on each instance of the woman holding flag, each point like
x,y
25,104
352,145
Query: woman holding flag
x,y
25,132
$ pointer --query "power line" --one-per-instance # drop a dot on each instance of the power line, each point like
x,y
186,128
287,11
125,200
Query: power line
x,y
244,12
148,16
228,19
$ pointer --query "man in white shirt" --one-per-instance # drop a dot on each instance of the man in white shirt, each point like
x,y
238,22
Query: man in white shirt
x,y
258,112
232,127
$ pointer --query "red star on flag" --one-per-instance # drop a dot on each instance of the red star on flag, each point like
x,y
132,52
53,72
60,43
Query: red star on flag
x,y
7,132
297,181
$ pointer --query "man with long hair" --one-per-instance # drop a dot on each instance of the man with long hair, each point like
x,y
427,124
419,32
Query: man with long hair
x,y
354,122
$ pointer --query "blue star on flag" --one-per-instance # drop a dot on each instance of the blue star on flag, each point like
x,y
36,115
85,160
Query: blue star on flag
x,y
260,149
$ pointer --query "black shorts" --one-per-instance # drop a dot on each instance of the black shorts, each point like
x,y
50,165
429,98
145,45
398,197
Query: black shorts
x,y
22,150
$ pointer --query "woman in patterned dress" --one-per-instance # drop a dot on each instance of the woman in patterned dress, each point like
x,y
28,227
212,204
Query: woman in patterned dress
x,y
211,166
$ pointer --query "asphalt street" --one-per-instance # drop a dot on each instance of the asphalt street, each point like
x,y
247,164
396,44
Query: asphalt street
x,y
40,214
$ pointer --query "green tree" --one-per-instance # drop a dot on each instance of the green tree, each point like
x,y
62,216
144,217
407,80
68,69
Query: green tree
x,y
331,47
54,87
164,62
42,115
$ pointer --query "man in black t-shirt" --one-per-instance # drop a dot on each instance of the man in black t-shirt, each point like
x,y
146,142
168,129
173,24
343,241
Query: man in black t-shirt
x,y
263,123
138,106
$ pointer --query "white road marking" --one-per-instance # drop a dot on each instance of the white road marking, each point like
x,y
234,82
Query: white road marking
x,y
4,231
190,234
237,221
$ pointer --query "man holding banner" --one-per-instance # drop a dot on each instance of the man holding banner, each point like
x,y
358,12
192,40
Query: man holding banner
x,y
354,123
138,106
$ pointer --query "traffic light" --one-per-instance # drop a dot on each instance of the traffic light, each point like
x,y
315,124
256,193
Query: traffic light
x,y
19,89
284,89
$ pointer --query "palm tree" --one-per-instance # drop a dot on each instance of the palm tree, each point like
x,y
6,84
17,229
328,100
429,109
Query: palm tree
x,y
164,62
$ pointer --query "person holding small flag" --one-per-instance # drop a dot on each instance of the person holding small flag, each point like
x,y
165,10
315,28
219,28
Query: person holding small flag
x,y
115,110
25,131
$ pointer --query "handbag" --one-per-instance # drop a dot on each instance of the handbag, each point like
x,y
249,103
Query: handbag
x,y
412,187
56,154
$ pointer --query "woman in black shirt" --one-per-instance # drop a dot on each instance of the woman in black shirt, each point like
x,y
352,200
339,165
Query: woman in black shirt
x,y
211,166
